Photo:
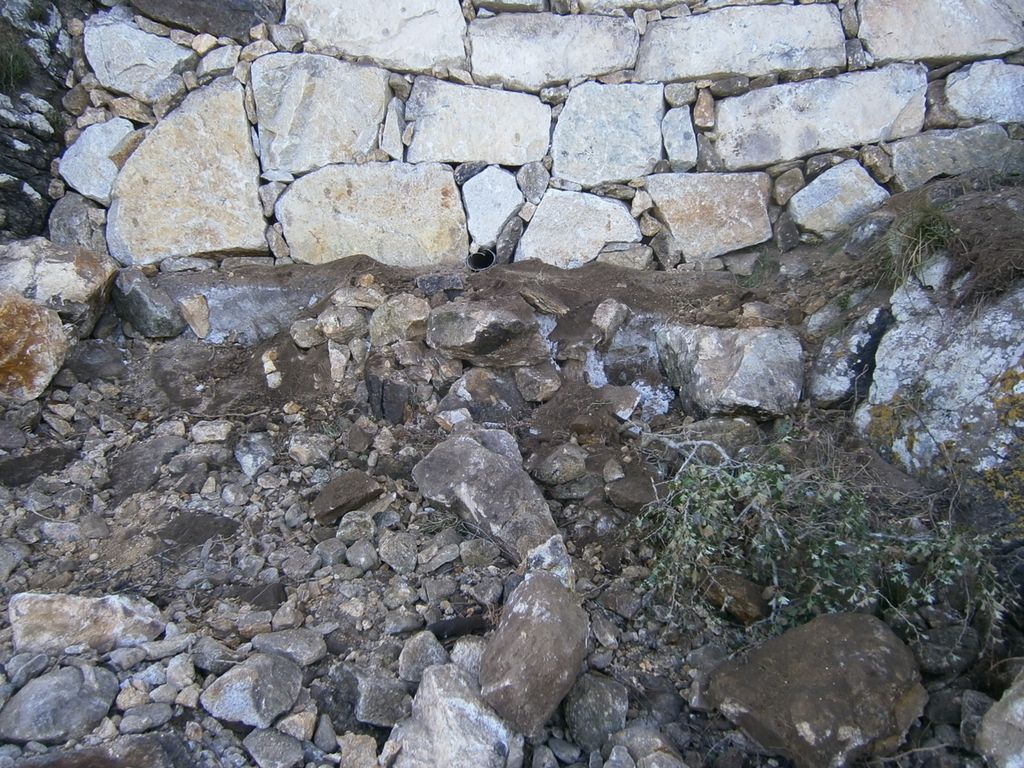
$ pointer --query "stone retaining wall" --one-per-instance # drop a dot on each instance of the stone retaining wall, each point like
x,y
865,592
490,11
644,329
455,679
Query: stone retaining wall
x,y
640,132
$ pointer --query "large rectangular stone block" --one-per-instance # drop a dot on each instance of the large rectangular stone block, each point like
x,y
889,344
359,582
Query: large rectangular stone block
x,y
753,40
788,121
458,123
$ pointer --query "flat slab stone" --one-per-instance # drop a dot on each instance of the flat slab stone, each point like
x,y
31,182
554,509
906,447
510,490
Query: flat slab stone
x,y
128,60
918,159
315,110
836,200
693,206
457,123
608,133
595,222
753,40
938,30
164,205
225,18
611,6
549,49
397,213
88,166
784,122
988,90
407,35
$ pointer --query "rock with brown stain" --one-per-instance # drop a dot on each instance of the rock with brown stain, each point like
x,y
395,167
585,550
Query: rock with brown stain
x,y
33,346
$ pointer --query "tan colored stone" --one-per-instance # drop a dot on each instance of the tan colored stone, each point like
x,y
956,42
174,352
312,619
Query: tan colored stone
x,y
32,347
49,623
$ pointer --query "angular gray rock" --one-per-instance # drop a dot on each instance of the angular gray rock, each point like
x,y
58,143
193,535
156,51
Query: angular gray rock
x,y
490,198
72,281
680,139
451,725
836,689
227,18
128,60
842,370
302,645
490,397
534,656
905,30
409,36
784,122
457,123
988,90
398,214
420,652
60,705
347,491
687,204
149,310
273,749
608,133
919,159
49,623
597,221
1001,736
488,490
836,200
754,40
314,110
550,49
162,207
728,371
488,333
594,709
254,692
76,222
88,165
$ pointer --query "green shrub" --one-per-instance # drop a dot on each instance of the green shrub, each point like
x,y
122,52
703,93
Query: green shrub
x,y
15,64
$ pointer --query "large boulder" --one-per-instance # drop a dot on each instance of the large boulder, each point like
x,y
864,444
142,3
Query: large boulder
x,y
72,281
315,110
190,189
1001,736
824,694
919,159
226,18
255,692
64,704
534,656
488,333
988,90
398,214
489,490
728,371
452,725
33,346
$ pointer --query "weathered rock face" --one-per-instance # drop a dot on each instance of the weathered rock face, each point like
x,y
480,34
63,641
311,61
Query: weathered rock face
x,y
315,110
843,367
549,49
850,669
608,133
1001,737
456,123
748,41
489,490
131,61
78,223
399,214
788,121
50,623
490,198
64,704
409,36
836,200
938,30
534,656
254,692
488,333
988,90
451,725
33,346
918,159
686,202
724,371
88,166
228,18
71,281
596,708
596,222
162,207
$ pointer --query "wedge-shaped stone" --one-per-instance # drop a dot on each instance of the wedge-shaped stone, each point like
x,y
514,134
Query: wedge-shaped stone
x,y
837,199
490,197
570,228
128,60
708,214
611,6
228,18
608,133
88,166
191,187
988,90
396,213
457,123
753,40
919,159
408,35
788,121
939,30
315,110
530,51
